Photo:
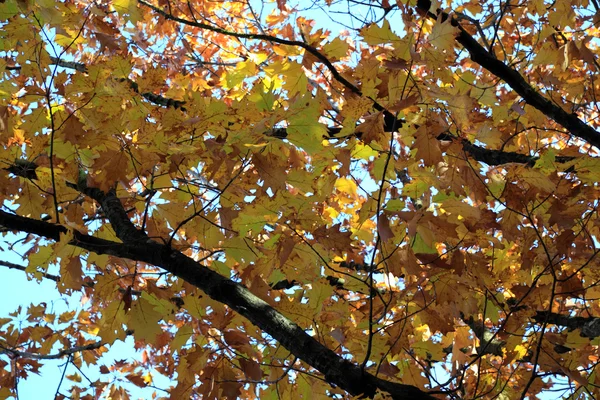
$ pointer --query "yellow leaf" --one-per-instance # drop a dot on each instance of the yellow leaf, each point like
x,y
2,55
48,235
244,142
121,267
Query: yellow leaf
x,y
258,58
162,181
127,7
288,51
461,210
308,135
106,232
443,34
70,40
111,323
363,152
337,48
240,249
546,55
264,98
144,320
374,34
421,245
546,161
318,294
304,129
296,81
122,5
181,337
520,351
38,261
347,186
536,179
429,349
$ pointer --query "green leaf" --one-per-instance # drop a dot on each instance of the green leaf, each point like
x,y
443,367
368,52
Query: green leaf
x,y
337,48
420,247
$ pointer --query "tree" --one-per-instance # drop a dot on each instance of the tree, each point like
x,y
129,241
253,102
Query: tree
x,y
271,209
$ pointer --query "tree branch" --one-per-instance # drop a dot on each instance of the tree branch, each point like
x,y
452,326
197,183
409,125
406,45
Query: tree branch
x,y
390,119
10,265
338,371
35,356
482,154
515,80
151,97
589,326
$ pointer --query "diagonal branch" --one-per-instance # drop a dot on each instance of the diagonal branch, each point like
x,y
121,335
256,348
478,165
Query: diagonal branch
x,y
116,214
336,370
515,80
260,36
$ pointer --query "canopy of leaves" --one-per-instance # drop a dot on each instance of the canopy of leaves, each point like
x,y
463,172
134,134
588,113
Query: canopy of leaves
x,y
380,199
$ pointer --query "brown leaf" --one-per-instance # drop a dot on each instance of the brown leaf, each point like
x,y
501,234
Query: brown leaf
x,y
338,335
396,64
383,228
108,42
271,171
72,275
284,249
251,368
136,379
404,103
372,128
235,338
427,145
344,157
4,113
389,370
333,238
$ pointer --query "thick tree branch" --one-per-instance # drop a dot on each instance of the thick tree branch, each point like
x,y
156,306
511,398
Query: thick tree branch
x,y
589,326
116,214
489,343
497,157
482,154
338,371
515,80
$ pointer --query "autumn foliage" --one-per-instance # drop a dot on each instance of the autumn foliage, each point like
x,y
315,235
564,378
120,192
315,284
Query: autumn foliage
x,y
304,199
